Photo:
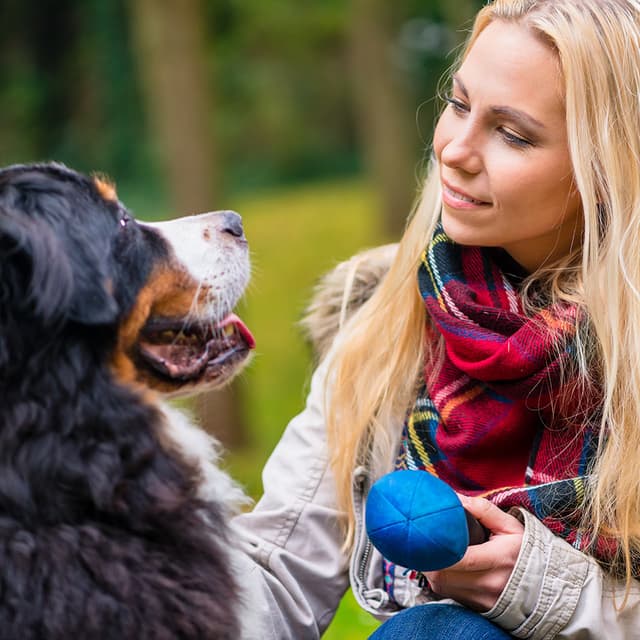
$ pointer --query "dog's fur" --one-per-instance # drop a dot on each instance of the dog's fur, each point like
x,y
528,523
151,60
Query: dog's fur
x,y
110,527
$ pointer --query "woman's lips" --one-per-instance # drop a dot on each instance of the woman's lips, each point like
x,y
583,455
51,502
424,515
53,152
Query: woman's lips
x,y
457,199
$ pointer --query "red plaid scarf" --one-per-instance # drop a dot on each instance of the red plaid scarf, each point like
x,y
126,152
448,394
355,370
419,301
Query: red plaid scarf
x,y
499,420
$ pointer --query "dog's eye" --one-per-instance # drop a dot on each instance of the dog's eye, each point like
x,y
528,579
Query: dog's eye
x,y
125,220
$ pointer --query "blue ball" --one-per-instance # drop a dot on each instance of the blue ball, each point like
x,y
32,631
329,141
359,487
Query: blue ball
x,y
416,520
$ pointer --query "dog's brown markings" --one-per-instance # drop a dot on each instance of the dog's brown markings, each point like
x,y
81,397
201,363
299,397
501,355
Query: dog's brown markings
x,y
206,234
169,293
106,188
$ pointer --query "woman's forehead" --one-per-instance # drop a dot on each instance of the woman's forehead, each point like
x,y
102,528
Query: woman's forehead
x,y
509,65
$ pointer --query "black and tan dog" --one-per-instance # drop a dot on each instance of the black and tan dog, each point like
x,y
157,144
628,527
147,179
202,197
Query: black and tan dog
x,y
111,526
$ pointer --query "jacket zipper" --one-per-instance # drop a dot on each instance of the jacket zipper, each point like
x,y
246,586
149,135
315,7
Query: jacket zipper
x,y
364,561
374,599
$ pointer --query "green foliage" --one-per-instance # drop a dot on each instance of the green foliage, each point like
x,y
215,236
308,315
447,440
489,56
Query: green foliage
x,y
282,90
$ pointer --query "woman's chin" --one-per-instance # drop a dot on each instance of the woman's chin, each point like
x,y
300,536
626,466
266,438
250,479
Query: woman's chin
x,y
461,231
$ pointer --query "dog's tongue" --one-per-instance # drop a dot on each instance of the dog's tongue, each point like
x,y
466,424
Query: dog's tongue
x,y
233,319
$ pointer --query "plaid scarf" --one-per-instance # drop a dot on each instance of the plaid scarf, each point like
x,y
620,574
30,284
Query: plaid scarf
x,y
499,419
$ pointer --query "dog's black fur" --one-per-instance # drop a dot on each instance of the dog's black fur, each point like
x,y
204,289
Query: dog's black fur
x,y
101,533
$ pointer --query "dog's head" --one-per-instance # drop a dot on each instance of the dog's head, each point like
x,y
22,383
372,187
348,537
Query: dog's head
x,y
154,301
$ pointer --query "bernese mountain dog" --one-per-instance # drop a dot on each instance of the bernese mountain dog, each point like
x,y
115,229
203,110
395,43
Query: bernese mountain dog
x,y
112,517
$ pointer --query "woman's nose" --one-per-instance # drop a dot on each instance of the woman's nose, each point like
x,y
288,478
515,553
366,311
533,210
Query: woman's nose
x,y
462,152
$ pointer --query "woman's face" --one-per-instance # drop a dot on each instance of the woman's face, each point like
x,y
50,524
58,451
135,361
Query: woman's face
x,y
501,142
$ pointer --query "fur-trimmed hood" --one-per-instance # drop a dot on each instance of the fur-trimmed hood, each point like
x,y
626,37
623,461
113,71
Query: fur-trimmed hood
x,y
341,292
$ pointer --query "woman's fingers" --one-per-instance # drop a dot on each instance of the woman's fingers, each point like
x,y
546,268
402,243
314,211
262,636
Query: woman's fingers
x,y
480,577
490,516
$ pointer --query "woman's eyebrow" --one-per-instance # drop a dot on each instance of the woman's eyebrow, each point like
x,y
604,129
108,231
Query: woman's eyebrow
x,y
503,110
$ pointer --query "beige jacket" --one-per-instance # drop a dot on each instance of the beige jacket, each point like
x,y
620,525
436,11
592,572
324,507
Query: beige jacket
x,y
295,573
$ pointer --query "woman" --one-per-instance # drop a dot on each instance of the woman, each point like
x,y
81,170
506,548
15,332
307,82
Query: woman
x,y
514,358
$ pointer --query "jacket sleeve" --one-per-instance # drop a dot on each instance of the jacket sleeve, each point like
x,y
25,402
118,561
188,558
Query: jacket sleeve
x,y
556,591
291,567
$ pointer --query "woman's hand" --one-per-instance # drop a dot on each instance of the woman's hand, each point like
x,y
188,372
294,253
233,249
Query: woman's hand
x,y
480,577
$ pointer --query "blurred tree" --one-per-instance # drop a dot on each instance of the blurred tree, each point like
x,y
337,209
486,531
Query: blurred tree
x,y
67,91
284,113
383,108
171,51
35,56
106,128
399,52
171,56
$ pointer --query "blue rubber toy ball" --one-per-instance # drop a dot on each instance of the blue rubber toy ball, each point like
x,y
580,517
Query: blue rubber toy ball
x,y
416,520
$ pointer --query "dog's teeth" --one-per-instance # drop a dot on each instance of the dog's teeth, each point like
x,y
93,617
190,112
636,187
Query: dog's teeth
x,y
168,335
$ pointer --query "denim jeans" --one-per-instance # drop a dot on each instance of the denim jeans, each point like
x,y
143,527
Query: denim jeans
x,y
438,622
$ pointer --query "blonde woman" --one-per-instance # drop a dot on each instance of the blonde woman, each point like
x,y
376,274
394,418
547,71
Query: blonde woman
x,y
500,352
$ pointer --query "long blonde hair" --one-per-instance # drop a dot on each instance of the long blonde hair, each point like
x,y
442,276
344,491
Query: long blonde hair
x,y
374,372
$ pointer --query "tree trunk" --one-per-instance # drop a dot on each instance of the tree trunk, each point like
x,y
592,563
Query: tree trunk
x,y
178,89
382,109
172,63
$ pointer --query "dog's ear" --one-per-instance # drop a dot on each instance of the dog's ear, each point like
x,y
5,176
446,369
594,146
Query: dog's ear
x,y
92,300
46,274
92,303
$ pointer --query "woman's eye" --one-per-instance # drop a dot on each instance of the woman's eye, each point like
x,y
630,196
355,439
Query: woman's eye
x,y
510,137
456,105
514,139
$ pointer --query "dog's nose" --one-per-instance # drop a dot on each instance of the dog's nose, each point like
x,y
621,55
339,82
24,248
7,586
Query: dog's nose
x,y
232,224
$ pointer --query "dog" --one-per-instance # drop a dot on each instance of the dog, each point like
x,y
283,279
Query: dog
x,y
113,514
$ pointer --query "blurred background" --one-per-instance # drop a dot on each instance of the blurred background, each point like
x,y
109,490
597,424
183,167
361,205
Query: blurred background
x,y
312,118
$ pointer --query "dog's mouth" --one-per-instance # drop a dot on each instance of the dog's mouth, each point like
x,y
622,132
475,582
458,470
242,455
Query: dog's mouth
x,y
186,352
